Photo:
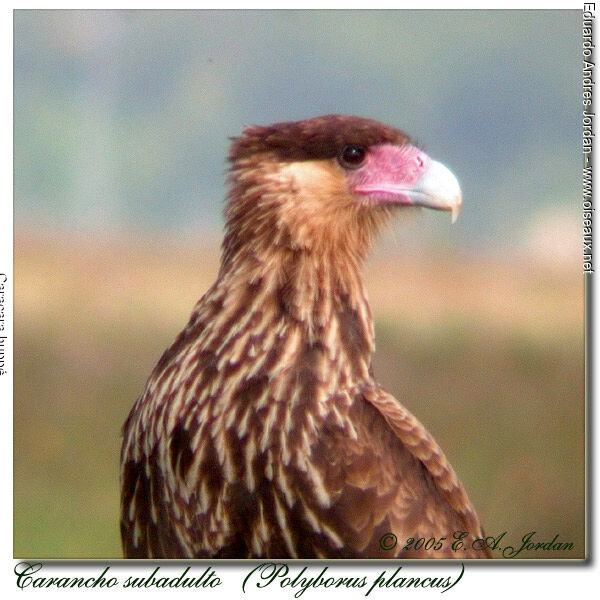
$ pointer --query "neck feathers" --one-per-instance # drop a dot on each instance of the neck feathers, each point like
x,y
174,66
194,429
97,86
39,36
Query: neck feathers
x,y
289,300
292,313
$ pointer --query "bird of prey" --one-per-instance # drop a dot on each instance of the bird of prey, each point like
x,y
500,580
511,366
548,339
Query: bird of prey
x,y
262,432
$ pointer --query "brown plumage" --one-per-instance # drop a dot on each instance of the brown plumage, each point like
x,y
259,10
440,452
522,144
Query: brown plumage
x,y
262,431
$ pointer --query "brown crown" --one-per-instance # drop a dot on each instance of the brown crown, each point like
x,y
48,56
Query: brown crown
x,y
316,138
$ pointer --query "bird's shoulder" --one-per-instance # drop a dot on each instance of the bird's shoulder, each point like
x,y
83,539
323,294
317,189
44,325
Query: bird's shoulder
x,y
391,476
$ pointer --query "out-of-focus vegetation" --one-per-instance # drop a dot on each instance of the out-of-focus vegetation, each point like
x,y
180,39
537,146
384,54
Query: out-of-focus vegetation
x,y
487,353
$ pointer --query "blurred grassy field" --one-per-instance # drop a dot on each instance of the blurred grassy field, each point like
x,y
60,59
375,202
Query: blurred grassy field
x,y
488,354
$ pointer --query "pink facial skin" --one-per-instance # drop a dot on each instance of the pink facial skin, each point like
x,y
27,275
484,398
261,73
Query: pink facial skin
x,y
389,173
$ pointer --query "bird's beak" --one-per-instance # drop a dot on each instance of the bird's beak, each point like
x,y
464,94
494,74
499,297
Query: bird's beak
x,y
437,188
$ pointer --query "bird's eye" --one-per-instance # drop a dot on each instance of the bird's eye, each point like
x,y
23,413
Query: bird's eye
x,y
352,157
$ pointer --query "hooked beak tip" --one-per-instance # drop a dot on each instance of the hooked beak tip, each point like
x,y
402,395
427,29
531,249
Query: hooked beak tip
x,y
455,210
439,189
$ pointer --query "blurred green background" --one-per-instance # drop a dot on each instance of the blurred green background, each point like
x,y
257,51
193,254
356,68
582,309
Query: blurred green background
x,y
121,126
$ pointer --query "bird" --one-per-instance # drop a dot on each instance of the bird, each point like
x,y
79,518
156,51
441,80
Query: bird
x,y
262,432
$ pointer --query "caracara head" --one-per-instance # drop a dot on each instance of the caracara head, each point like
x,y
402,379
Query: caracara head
x,y
327,183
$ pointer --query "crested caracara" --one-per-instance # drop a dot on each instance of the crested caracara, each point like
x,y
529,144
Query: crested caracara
x,y
262,431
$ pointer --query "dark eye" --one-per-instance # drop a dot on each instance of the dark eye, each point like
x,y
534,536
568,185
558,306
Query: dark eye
x,y
351,157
